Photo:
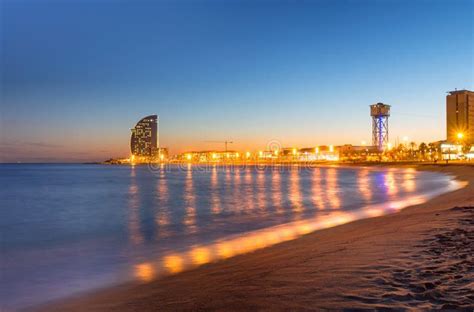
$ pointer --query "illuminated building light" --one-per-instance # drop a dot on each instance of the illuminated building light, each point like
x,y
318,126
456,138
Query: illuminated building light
x,y
144,139
237,155
316,150
331,148
260,154
247,154
294,151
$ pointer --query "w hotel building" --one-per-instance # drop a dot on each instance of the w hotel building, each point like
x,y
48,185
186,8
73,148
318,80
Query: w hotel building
x,y
144,140
460,116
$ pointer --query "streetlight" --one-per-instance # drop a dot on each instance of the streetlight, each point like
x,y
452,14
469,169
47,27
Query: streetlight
x,y
460,135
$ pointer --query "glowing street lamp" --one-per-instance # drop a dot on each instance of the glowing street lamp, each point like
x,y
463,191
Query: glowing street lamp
x,y
188,157
460,135
260,154
389,146
294,151
247,154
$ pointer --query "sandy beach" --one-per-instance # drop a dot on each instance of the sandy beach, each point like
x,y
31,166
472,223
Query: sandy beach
x,y
419,258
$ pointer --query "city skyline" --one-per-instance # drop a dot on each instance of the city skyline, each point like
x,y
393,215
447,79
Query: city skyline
x,y
244,72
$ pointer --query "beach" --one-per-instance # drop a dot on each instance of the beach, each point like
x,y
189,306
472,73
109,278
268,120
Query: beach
x,y
421,257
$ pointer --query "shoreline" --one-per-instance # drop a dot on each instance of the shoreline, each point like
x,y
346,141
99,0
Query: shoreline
x,y
334,268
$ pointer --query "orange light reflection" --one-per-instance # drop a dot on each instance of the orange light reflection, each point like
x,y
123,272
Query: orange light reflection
x,y
332,188
364,184
254,240
135,234
295,193
190,201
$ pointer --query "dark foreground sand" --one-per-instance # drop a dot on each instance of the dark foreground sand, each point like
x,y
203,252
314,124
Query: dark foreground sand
x,y
420,258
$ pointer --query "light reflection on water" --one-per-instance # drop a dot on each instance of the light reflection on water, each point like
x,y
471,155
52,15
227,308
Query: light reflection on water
x,y
254,240
189,202
317,190
364,184
333,188
102,225
136,236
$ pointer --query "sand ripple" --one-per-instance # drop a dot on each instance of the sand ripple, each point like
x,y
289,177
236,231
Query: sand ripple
x,y
438,274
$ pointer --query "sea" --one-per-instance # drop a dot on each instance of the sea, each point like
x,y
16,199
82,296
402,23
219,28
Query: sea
x,y
69,229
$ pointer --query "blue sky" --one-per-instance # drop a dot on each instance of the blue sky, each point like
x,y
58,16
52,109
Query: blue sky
x,y
77,75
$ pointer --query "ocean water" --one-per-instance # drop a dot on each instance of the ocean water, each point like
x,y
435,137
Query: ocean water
x,y
71,228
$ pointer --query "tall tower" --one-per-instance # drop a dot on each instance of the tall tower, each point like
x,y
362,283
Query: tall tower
x,y
144,139
460,116
380,113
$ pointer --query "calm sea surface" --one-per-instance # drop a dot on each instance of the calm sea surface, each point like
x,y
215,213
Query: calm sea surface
x,y
65,229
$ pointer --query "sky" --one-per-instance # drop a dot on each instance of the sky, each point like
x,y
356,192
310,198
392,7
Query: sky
x,y
77,75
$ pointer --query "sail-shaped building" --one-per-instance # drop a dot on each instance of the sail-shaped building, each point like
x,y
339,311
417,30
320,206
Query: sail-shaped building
x,y
144,139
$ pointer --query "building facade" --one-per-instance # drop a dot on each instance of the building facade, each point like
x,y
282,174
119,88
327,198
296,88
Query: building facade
x,y
144,139
460,116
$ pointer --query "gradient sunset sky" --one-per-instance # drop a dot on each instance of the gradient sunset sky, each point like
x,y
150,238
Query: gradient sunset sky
x,y
77,75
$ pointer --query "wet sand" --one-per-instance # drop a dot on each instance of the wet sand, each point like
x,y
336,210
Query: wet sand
x,y
419,258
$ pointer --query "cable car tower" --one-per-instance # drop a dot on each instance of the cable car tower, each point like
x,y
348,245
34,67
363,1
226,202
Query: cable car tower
x,y
380,113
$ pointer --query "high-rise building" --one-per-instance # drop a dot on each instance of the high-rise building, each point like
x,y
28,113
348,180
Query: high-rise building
x,y
144,140
460,116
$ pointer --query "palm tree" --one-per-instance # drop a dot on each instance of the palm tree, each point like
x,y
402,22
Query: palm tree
x,y
423,148
434,150
412,149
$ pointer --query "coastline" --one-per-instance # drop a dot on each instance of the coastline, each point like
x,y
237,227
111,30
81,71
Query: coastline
x,y
354,265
